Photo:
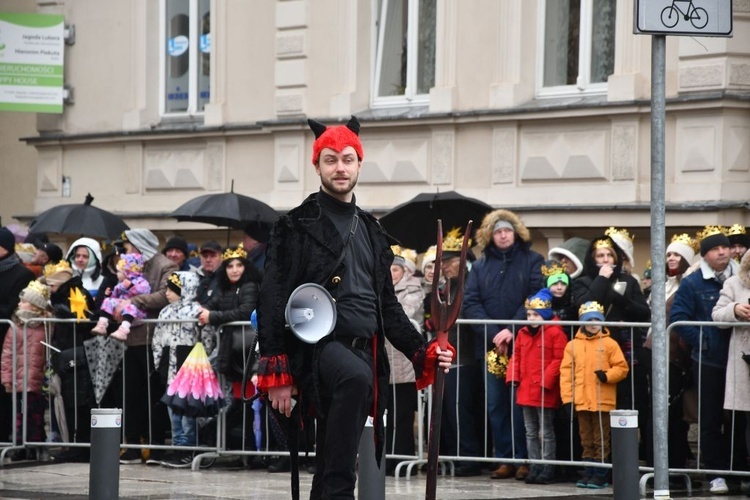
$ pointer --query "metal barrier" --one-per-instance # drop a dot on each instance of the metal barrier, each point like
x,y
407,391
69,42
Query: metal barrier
x,y
249,436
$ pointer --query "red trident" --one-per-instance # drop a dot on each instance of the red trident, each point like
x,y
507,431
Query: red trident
x,y
443,315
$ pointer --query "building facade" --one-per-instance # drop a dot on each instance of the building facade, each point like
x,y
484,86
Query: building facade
x,y
539,106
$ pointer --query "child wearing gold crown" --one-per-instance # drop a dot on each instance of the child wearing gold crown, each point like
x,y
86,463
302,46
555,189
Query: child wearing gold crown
x,y
534,370
592,366
171,344
29,358
131,283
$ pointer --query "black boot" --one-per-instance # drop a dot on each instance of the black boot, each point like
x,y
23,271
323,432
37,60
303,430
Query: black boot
x,y
547,476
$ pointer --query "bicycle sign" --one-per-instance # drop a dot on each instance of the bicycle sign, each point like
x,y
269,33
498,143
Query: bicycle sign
x,y
684,17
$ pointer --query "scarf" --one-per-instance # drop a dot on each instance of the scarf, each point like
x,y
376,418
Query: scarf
x,y
9,262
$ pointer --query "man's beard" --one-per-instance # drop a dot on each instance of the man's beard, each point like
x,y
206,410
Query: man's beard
x,y
332,187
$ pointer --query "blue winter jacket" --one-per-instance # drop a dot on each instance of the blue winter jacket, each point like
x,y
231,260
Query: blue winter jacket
x,y
497,287
694,301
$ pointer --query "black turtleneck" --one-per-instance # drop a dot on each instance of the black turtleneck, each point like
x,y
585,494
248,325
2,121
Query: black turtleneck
x,y
355,299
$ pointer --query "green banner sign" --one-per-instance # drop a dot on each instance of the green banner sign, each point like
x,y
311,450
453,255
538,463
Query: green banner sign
x,y
32,47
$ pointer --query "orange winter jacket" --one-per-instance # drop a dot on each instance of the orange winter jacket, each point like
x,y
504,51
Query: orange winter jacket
x,y
584,356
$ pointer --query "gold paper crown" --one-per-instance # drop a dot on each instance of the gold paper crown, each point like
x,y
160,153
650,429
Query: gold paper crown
x,y
736,229
453,240
591,306
39,288
553,269
497,364
405,253
685,239
537,303
613,231
174,278
51,269
710,231
603,243
235,253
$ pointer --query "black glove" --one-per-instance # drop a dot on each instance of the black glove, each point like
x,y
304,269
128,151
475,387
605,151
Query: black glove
x,y
516,384
602,376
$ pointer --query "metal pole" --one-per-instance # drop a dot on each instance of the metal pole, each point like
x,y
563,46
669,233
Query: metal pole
x,y
370,476
624,424
104,468
660,403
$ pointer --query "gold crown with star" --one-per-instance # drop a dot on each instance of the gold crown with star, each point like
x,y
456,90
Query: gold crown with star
x,y
736,229
623,233
553,268
685,239
453,240
497,364
51,269
235,253
591,306
710,231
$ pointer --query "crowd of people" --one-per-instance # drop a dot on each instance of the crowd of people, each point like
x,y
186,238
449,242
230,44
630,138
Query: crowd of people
x,y
110,293
516,391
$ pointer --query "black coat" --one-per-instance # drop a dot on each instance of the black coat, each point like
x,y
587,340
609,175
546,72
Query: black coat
x,y
304,247
235,303
12,282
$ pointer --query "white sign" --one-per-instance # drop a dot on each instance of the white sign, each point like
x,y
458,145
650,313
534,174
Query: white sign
x,y
31,62
684,17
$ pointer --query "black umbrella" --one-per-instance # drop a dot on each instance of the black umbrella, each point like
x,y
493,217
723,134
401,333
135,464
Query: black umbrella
x,y
84,220
414,223
230,209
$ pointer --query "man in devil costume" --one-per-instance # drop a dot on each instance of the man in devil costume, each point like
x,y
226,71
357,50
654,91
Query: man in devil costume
x,y
343,378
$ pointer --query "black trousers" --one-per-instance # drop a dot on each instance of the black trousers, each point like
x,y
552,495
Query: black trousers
x,y
140,373
714,428
346,395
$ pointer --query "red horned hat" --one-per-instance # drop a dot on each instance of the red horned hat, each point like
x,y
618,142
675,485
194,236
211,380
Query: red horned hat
x,y
336,138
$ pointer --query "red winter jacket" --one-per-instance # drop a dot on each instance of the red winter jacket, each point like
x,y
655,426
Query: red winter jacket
x,y
536,366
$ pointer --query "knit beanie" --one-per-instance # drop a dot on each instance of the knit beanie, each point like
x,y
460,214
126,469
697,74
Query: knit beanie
x,y
738,235
541,302
405,257
575,249
591,310
712,237
144,240
429,256
57,274
36,294
336,138
683,245
554,272
177,243
7,240
624,240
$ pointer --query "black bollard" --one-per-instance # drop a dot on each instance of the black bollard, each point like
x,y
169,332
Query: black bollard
x,y
104,467
370,477
625,474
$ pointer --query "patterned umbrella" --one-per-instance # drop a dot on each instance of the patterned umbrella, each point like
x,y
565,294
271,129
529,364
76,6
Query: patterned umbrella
x,y
104,355
195,390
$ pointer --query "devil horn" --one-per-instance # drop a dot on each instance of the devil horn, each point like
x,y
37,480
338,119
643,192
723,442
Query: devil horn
x,y
353,124
317,127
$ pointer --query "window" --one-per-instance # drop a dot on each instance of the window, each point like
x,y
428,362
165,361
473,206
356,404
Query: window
x,y
185,56
405,52
579,45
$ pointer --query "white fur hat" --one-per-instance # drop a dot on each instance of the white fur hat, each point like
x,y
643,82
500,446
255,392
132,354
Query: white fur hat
x,y
684,245
624,240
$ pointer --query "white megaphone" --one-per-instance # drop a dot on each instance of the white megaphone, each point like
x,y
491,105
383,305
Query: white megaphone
x,y
310,312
